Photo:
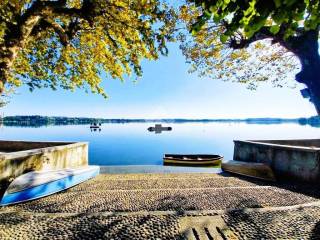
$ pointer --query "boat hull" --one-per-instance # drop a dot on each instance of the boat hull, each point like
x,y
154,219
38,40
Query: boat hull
x,y
14,195
192,160
249,169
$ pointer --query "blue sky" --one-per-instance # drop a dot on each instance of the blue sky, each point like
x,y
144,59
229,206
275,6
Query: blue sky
x,y
166,90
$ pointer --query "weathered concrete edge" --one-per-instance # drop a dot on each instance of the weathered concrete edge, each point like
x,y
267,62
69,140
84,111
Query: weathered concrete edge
x,y
67,155
176,213
66,145
293,162
281,146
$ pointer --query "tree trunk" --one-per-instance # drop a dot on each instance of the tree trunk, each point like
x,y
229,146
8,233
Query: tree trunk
x,y
305,48
15,38
17,34
310,76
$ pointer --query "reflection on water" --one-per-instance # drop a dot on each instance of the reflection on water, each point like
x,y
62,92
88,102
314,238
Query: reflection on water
x,y
132,144
95,129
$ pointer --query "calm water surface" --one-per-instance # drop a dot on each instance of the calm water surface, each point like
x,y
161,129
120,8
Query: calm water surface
x,y
132,144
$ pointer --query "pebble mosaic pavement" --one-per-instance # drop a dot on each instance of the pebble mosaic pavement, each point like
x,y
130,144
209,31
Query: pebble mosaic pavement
x,y
149,206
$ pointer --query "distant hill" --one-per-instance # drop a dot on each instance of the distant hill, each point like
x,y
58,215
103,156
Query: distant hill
x,y
38,121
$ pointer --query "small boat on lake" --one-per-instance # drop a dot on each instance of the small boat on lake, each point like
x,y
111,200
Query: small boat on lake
x,y
158,128
192,160
249,169
37,184
95,125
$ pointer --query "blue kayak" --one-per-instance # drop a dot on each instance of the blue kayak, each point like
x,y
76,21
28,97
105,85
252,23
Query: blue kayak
x,y
37,184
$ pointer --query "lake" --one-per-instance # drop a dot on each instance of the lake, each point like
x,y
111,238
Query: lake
x,y
132,144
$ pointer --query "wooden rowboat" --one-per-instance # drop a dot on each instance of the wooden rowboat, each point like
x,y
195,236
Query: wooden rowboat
x,y
37,184
249,169
193,160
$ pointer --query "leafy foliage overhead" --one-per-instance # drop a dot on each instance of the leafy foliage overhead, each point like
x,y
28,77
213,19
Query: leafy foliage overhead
x,y
274,16
247,41
72,43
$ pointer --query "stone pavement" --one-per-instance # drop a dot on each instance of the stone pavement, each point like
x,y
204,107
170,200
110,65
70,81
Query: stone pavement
x,y
158,206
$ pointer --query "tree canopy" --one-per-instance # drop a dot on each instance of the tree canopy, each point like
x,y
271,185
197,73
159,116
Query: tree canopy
x,y
72,43
281,19
251,41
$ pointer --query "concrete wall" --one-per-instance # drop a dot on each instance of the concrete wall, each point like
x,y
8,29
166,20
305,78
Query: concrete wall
x,y
315,143
293,160
46,155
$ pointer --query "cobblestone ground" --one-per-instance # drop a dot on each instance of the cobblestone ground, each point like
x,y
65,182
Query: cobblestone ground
x,y
139,192
25,226
303,223
109,207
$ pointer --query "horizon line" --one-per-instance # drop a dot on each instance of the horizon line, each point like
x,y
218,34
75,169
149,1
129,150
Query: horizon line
x,y
175,118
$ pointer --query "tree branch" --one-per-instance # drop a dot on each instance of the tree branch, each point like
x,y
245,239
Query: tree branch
x,y
264,33
17,34
64,39
243,42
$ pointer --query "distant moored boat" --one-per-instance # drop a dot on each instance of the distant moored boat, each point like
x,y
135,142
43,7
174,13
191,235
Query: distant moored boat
x,y
95,125
158,128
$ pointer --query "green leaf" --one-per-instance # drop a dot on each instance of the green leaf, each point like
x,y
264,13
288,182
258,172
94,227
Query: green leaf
x,y
274,29
223,38
279,17
217,18
290,2
277,3
207,14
